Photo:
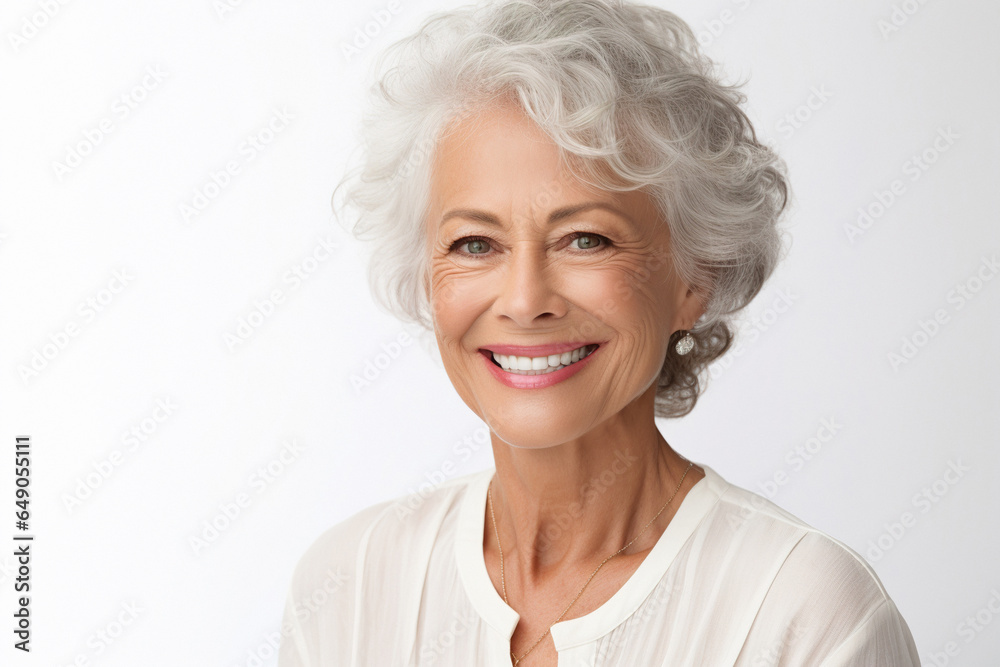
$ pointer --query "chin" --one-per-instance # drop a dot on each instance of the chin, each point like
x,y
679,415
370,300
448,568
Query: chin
x,y
515,428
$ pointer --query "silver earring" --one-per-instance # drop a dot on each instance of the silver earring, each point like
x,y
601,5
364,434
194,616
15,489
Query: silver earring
x,y
685,344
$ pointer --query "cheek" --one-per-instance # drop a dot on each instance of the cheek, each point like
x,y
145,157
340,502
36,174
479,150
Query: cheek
x,y
632,307
642,315
625,296
457,298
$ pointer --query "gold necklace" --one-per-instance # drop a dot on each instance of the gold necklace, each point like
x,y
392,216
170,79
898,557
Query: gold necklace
x,y
503,585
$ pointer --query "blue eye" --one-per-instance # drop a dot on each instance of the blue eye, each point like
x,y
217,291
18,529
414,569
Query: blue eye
x,y
478,245
590,239
481,245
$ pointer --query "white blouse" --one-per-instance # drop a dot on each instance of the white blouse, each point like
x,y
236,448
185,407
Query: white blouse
x,y
733,580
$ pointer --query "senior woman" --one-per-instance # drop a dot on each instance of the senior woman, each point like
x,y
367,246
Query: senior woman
x,y
573,203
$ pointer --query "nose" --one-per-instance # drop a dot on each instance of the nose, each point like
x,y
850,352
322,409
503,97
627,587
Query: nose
x,y
528,291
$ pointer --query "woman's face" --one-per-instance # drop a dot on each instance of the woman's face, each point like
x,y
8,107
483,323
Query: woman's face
x,y
522,255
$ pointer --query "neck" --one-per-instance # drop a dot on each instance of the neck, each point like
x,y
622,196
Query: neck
x,y
575,503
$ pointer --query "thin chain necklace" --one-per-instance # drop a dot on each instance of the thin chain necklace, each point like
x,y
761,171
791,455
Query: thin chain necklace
x,y
503,584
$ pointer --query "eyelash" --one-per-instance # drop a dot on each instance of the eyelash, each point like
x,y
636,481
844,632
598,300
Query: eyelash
x,y
605,243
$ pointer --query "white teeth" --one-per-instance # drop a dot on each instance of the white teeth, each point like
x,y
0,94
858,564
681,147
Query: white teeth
x,y
541,365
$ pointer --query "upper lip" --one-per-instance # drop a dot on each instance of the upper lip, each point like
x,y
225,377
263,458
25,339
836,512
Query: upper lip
x,y
534,350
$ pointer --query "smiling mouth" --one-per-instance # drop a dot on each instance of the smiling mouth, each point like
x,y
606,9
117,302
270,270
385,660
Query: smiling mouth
x,y
540,365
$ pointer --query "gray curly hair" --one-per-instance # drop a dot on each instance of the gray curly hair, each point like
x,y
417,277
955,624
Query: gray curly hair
x,y
626,94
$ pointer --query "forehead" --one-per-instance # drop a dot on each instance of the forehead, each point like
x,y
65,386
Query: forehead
x,y
498,156
477,148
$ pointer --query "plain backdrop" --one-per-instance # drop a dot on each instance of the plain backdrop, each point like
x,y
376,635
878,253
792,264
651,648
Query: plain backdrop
x,y
209,388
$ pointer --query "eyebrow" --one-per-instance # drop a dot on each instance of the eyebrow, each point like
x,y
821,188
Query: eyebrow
x,y
554,216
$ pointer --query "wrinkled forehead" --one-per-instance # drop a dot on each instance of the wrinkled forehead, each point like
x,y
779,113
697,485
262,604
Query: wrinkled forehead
x,y
501,159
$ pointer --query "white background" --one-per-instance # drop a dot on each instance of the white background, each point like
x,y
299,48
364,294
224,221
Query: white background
x,y
867,99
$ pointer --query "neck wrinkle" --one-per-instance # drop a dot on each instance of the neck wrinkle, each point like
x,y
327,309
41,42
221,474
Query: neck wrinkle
x,y
573,506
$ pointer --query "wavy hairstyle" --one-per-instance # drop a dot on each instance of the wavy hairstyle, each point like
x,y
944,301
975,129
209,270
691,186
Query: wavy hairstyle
x,y
626,94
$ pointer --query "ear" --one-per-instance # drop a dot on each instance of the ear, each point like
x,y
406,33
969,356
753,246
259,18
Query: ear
x,y
690,309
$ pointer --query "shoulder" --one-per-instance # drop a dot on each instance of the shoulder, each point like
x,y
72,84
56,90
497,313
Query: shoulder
x,y
384,528
318,620
336,547
399,519
354,562
815,595
323,581
795,549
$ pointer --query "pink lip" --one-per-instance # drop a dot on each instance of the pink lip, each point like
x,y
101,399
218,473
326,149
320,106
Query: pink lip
x,y
535,381
534,350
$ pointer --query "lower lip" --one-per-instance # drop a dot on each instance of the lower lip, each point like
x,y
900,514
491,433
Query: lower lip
x,y
535,381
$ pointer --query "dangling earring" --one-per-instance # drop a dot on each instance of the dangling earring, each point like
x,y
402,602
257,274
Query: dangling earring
x,y
685,344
